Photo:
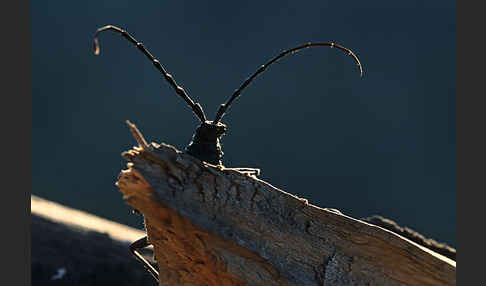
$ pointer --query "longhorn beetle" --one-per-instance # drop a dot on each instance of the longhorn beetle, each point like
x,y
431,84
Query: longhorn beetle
x,y
205,144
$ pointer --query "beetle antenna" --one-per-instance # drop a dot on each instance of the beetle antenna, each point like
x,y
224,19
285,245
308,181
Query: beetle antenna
x,y
196,107
223,107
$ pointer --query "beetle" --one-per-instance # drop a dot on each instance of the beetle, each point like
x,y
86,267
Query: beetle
x,y
205,144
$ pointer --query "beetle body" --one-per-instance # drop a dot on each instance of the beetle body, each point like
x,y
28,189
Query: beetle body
x,y
205,144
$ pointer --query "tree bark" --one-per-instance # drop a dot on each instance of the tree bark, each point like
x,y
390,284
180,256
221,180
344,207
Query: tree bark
x,y
215,226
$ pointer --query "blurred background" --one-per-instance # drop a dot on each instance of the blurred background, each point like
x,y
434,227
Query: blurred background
x,y
382,144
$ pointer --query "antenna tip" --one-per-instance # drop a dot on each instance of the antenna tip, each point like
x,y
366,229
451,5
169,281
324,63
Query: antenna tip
x,y
96,46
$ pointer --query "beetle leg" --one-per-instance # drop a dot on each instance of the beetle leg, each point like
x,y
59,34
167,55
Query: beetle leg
x,y
246,171
140,244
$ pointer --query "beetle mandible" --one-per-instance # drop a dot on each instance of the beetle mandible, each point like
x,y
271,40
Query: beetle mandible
x,y
205,144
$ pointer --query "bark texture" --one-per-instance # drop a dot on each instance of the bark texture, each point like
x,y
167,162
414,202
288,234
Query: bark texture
x,y
216,226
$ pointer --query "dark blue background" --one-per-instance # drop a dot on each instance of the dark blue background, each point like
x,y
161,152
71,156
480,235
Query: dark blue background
x,y
382,144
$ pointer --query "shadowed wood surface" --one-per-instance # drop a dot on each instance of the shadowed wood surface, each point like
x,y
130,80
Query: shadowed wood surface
x,y
72,247
215,226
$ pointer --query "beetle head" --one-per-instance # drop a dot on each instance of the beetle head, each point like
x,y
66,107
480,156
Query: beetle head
x,y
208,132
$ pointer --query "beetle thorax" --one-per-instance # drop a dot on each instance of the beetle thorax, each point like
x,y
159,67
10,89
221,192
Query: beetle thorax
x,y
205,144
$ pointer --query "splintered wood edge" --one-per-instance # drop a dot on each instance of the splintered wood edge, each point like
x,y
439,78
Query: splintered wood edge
x,y
132,184
137,135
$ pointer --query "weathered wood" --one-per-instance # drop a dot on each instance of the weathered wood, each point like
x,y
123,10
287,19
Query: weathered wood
x,y
214,226
72,247
413,235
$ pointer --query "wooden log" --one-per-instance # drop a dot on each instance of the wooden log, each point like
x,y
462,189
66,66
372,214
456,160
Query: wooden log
x,y
72,247
216,226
